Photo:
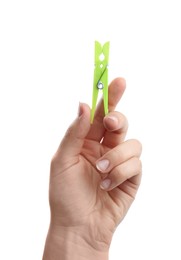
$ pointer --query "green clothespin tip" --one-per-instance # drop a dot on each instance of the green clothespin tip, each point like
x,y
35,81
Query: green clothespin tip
x,y
100,76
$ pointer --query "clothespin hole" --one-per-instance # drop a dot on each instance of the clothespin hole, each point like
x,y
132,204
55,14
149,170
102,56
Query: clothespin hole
x,y
101,66
100,85
101,57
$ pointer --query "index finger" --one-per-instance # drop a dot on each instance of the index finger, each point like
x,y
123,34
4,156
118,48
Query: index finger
x,y
115,92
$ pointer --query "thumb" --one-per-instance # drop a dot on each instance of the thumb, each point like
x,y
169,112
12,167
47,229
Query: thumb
x,y
73,140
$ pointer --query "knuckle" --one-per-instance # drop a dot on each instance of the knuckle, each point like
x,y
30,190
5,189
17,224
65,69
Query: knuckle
x,y
137,144
138,164
125,119
126,170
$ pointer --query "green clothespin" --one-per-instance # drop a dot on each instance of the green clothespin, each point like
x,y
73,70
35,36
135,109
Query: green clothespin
x,y
100,76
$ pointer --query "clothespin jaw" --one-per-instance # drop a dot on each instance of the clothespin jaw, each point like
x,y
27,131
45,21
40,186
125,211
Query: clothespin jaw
x,y
100,76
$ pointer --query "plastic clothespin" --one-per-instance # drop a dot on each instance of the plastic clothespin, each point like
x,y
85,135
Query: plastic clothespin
x,y
100,76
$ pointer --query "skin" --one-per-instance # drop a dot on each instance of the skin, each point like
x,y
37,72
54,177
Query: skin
x,y
85,211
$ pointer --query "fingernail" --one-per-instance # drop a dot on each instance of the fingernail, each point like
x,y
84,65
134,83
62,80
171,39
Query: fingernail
x,y
102,165
80,110
112,118
111,122
105,184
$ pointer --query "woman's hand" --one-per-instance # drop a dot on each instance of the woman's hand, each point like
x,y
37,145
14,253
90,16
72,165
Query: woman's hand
x,y
95,175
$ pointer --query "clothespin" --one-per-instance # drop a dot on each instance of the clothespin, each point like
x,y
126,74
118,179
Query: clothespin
x,y
100,76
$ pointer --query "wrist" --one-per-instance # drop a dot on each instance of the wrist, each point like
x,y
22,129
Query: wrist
x,y
71,243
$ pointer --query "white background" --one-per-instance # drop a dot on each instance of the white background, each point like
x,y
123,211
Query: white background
x,y
46,68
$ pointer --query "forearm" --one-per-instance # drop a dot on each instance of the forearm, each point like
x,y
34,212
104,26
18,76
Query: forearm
x,y
68,245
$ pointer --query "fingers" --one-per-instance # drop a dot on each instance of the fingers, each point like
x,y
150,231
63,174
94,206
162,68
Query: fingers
x,y
116,90
121,173
116,125
73,140
118,155
119,164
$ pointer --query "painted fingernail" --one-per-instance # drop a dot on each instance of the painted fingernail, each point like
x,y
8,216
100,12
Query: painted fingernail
x,y
105,184
102,165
